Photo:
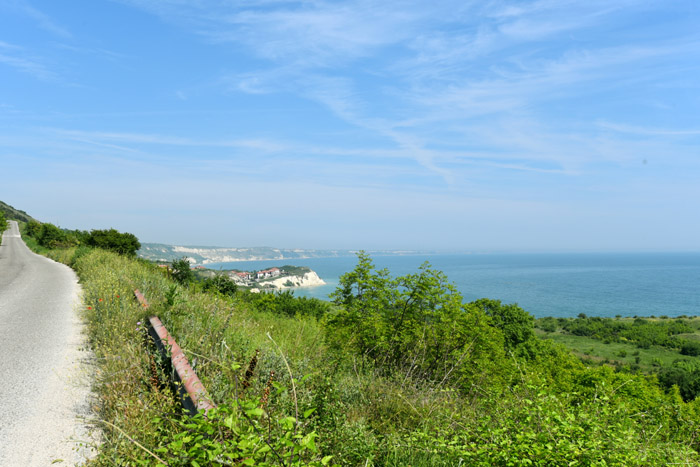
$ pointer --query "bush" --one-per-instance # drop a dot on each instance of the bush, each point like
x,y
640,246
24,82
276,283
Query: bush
x,y
515,323
417,323
684,375
547,324
691,348
220,283
51,236
285,303
122,243
182,272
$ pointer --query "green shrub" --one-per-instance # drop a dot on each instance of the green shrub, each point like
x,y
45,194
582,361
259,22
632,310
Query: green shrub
x,y
3,224
113,240
515,323
417,323
182,271
691,348
235,434
287,304
221,284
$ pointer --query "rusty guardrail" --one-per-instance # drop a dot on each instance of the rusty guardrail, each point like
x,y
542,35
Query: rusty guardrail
x,y
193,395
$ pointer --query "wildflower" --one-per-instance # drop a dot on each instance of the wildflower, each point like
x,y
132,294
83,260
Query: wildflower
x,y
99,300
89,308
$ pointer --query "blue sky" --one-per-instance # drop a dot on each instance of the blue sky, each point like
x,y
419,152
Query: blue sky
x,y
547,125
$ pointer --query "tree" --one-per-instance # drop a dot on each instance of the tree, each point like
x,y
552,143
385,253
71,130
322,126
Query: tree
x,y
33,229
417,323
122,243
51,236
220,283
182,272
515,323
685,375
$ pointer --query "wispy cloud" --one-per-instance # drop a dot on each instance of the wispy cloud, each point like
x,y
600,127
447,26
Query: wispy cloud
x,y
648,131
42,20
18,58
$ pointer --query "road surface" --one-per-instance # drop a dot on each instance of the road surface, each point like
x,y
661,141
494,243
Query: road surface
x,y
44,385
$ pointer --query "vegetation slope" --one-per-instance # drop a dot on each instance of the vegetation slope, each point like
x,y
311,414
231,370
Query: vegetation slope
x,y
396,371
14,214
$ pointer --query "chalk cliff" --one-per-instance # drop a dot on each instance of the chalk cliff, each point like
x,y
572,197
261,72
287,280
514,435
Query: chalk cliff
x,y
309,279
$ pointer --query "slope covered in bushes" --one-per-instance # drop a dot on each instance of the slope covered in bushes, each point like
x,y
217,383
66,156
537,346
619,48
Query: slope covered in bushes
x,y
397,371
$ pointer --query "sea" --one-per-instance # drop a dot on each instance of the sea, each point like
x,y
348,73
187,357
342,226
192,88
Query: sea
x,y
553,284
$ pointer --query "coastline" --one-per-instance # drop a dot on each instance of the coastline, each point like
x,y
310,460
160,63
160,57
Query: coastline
x,y
560,285
308,279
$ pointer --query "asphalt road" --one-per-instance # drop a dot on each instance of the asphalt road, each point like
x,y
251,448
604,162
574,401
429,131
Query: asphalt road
x,y
44,384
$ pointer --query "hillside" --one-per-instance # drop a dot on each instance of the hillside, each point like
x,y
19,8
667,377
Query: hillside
x,y
395,371
299,381
14,214
208,254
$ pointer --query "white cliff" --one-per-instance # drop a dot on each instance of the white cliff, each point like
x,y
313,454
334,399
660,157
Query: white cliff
x,y
309,279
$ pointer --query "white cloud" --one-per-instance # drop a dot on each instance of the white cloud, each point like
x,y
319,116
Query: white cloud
x,y
648,131
25,64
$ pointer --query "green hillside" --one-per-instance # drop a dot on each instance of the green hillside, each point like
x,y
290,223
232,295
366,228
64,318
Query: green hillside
x,y
208,254
14,214
396,371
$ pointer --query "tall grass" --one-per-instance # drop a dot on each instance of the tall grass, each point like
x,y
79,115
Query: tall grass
x,y
306,401
218,336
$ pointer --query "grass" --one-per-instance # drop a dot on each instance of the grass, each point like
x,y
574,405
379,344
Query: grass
x,y
596,351
362,415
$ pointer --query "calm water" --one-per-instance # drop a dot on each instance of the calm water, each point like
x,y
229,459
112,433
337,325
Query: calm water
x,y
560,285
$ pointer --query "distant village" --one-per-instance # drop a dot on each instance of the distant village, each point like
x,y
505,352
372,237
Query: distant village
x,y
246,277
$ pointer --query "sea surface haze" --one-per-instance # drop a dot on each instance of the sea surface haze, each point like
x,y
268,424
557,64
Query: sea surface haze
x,y
560,285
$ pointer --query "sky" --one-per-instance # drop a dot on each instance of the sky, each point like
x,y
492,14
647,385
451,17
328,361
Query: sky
x,y
474,126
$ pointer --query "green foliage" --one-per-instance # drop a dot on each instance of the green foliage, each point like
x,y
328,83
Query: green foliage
x,y
482,405
515,323
221,284
3,223
547,324
182,272
113,240
417,322
691,348
48,235
536,427
295,270
287,304
51,236
685,375
239,434
643,332
33,229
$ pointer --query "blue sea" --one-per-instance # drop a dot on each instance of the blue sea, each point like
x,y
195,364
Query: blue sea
x,y
560,285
